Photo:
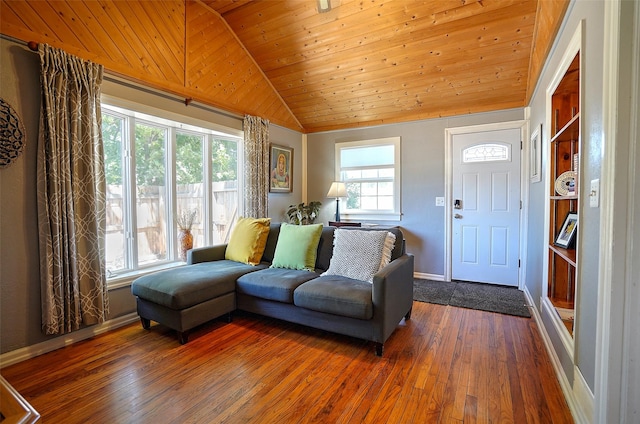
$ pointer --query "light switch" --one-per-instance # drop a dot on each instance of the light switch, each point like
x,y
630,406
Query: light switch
x,y
594,193
439,201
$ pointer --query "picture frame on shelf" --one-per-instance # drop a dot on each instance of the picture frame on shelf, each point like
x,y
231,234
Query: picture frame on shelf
x,y
535,155
281,169
567,234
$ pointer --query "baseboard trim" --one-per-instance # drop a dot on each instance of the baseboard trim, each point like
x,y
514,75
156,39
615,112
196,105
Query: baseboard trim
x,y
557,366
576,398
424,276
29,352
585,399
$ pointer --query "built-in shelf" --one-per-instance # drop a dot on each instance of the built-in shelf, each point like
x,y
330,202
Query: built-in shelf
x,y
568,255
564,155
570,132
572,197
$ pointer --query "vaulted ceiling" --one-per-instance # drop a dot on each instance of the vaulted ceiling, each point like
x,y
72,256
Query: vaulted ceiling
x,y
364,62
371,62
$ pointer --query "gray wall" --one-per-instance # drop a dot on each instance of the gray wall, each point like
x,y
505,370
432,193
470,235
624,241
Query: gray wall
x,y
19,261
279,202
592,12
423,162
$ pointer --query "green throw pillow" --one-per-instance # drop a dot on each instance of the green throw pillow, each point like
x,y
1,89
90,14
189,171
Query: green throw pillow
x,y
248,240
297,246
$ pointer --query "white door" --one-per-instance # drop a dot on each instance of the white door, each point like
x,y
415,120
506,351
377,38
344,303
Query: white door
x,y
486,209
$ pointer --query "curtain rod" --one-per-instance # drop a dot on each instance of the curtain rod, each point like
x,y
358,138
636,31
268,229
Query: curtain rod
x,y
33,45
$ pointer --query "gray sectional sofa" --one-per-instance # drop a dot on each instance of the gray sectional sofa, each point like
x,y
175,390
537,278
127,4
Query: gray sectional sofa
x,y
210,286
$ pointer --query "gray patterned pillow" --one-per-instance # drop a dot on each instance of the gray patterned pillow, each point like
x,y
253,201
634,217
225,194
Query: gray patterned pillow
x,y
360,254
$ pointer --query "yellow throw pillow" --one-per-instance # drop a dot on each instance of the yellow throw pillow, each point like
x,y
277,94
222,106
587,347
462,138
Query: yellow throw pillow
x,y
248,240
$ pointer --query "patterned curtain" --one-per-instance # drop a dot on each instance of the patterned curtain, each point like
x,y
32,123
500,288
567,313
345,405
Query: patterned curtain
x,y
71,194
256,175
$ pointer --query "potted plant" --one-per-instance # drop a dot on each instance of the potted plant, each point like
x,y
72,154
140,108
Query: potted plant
x,y
302,214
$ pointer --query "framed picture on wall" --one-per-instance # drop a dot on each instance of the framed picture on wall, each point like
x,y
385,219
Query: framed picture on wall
x,y
535,155
281,169
566,236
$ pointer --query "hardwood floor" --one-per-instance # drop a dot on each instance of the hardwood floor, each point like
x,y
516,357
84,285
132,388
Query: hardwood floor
x,y
445,365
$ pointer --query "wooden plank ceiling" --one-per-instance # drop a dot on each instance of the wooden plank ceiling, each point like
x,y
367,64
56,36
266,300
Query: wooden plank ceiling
x,y
365,62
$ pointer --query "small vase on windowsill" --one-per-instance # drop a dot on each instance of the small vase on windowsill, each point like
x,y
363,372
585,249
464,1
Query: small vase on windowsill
x,y
185,238
185,242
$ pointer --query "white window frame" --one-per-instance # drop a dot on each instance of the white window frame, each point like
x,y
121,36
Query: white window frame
x,y
367,214
134,113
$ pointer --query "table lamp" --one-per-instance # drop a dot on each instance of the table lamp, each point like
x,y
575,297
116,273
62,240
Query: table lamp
x,y
338,189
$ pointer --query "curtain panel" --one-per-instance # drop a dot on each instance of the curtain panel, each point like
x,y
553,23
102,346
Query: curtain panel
x,y
71,194
256,175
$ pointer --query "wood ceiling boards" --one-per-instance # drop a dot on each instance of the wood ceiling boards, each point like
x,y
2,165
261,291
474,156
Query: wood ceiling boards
x,y
373,62
365,62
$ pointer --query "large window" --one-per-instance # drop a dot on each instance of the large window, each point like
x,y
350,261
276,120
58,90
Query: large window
x,y
371,172
157,169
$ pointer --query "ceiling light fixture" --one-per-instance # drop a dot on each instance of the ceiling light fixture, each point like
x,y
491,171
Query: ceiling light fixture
x,y
324,6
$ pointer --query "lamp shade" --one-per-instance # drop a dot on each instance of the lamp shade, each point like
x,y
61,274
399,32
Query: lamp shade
x,y
337,189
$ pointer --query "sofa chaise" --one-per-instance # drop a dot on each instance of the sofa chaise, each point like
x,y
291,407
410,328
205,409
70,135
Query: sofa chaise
x,y
211,286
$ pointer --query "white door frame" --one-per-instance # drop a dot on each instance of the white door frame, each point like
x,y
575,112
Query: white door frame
x,y
617,348
523,126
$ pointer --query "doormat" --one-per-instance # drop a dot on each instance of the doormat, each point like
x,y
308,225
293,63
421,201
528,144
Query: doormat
x,y
480,296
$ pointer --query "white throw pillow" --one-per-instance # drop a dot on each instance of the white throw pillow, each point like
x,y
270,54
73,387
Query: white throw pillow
x,y
389,243
360,254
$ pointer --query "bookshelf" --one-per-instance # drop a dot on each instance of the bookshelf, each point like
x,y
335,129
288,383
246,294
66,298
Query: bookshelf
x,y
564,194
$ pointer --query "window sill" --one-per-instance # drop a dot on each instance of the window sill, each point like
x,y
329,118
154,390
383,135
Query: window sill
x,y
125,279
371,216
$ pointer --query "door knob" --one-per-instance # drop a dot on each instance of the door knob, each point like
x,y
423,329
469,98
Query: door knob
x,y
457,216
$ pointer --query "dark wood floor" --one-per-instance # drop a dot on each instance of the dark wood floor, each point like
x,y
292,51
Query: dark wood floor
x,y
445,365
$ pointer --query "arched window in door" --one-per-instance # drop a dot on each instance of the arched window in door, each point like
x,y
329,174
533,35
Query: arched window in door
x,y
486,152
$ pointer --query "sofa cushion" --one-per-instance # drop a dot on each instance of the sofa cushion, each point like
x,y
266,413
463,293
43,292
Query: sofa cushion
x,y
273,283
248,240
360,254
185,286
336,295
297,246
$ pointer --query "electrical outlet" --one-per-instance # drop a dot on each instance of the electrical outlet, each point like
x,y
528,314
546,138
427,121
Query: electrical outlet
x,y
439,201
594,194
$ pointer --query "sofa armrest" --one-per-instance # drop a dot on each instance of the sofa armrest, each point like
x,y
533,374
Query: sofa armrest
x,y
392,292
206,254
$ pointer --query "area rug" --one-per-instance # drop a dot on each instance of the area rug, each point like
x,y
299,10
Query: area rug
x,y
483,297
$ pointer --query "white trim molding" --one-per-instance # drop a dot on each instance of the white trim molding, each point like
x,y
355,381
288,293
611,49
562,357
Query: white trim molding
x,y
425,276
32,351
584,399
617,348
523,126
565,385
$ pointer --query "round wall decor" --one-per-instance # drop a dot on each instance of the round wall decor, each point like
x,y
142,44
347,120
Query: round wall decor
x,y
12,134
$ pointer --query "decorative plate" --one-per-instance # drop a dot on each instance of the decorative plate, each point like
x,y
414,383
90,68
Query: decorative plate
x,y
11,134
566,183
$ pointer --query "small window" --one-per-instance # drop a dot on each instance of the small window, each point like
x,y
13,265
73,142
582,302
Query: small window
x,y
370,170
488,152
